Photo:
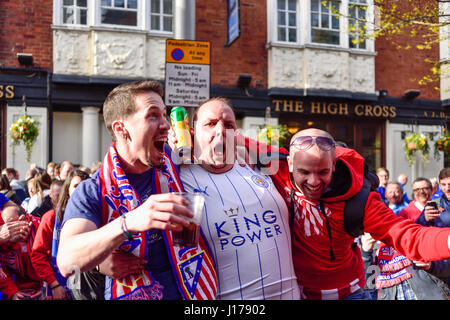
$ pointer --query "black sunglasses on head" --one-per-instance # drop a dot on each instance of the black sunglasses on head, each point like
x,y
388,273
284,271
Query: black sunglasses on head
x,y
306,142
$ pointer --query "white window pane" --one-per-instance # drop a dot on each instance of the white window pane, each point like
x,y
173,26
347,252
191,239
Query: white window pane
x,y
167,7
292,35
351,44
292,5
325,21
154,22
325,36
352,11
335,23
315,5
82,3
281,18
68,2
281,5
155,6
314,19
325,7
106,3
281,34
83,16
292,19
335,6
167,21
119,3
132,4
119,17
362,12
68,15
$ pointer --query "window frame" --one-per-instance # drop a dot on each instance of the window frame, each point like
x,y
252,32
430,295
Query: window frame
x,y
330,22
357,4
98,8
304,31
286,27
161,15
77,10
94,9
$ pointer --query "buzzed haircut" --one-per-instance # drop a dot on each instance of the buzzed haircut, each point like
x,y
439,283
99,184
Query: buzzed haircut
x,y
219,99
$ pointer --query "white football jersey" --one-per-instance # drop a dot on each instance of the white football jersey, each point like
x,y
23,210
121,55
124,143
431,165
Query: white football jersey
x,y
246,225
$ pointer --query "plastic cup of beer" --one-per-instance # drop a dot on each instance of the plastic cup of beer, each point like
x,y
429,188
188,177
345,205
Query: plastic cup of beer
x,y
190,235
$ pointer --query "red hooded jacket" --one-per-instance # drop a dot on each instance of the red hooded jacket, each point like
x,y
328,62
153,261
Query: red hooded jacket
x,y
326,275
323,277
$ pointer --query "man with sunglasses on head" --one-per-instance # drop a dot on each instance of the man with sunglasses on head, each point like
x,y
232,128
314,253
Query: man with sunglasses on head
x,y
316,181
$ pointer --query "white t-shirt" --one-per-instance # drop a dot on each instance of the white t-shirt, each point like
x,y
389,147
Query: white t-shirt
x,y
246,225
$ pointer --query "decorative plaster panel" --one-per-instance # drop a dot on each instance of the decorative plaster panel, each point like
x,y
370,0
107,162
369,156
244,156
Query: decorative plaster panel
x,y
327,69
362,73
313,68
119,54
156,58
71,53
285,67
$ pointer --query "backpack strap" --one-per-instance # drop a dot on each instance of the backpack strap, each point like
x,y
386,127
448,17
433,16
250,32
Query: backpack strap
x,y
354,207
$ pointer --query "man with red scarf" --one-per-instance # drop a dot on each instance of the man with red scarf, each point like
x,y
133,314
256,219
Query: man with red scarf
x,y
322,177
129,207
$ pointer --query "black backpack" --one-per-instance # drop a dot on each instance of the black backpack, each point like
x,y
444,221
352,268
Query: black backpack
x,y
354,207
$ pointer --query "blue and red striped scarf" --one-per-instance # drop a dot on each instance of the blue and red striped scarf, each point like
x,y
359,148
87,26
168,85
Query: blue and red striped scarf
x,y
193,267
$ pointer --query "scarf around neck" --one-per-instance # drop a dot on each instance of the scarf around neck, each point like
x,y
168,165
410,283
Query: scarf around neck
x,y
192,267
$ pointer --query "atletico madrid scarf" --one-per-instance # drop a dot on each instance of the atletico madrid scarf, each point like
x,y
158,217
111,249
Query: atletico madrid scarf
x,y
193,267
393,267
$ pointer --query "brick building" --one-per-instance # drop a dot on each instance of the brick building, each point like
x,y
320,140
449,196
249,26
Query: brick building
x,y
303,71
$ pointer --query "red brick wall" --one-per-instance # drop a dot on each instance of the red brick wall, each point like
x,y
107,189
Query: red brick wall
x,y
398,70
25,27
247,54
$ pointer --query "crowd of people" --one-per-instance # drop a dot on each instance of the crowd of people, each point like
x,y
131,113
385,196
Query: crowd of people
x,y
306,223
26,265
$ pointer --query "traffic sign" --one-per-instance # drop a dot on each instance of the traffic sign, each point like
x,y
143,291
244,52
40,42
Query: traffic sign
x,y
187,51
187,72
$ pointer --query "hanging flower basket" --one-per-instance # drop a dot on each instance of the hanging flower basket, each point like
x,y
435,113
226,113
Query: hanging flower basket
x,y
25,129
442,144
274,135
416,143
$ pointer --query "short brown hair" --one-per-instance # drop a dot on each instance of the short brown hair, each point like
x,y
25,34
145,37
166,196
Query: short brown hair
x,y
444,173
120,102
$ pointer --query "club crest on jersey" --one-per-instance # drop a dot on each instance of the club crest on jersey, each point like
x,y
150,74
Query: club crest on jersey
x,y
259,181
190,270
232,212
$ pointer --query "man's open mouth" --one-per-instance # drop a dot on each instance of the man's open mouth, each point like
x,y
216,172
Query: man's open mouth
x,y
219,150
159,144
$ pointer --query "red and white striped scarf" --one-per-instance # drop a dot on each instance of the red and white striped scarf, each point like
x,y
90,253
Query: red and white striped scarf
x,y
193,267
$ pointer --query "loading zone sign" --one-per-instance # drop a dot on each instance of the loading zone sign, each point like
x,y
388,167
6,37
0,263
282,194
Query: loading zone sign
x,y
187,72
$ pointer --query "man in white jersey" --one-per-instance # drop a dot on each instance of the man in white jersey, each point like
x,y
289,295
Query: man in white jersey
x,y
245,221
